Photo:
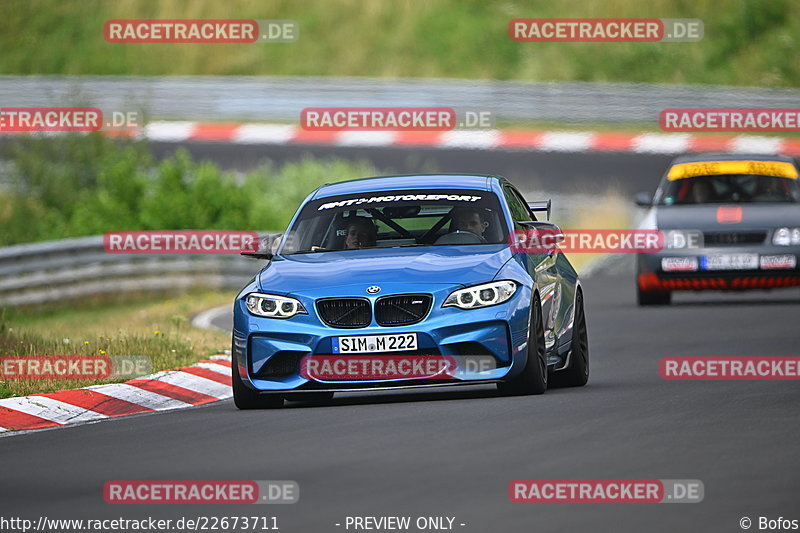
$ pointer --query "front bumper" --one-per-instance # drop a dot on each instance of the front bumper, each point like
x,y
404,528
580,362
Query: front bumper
x,y
269,351
652,276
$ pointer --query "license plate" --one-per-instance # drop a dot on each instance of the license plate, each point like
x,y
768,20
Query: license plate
x,y
679,264
375,343
730,262
769,262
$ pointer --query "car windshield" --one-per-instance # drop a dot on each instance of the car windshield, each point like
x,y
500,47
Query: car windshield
x,y
390,219
730,188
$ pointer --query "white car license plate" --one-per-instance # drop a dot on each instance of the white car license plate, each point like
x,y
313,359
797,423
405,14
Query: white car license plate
x,y
375,343
730,262
769,262
679,264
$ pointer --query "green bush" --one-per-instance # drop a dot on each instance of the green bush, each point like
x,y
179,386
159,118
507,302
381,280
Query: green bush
x,y
76,185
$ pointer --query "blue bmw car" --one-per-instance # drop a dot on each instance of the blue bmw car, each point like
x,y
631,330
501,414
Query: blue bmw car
x,y
409,282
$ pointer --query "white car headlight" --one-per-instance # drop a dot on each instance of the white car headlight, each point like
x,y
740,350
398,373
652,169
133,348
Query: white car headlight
x,y
483,295
786,237
273,306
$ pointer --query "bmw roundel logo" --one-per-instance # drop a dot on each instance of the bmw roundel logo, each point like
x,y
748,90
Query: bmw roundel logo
x,y
373,289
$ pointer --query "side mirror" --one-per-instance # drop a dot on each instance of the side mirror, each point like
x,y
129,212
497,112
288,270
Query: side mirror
x,y
538,237
263,248
553,231
643,199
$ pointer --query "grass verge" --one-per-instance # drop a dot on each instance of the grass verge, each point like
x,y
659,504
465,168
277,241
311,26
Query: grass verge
x,y
155,326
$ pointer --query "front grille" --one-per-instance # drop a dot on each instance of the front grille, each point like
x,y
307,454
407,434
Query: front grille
x,y
402,310
733,238
345,312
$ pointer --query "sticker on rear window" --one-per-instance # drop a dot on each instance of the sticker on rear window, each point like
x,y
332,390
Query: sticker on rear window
x,y
778,169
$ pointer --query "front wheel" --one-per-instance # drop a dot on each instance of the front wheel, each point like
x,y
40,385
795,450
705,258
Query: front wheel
x,y
246,398
533,379
577,375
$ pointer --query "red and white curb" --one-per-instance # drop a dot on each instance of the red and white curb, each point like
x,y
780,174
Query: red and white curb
x,y
530,140
510,140
205,382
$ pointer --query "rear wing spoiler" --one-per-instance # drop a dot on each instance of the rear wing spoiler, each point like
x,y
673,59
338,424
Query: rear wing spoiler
x,y
544,205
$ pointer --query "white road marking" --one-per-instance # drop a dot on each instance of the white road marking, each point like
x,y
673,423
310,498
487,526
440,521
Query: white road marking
x,y
661,143
479,139
264,134
129,393
50,409
193,383
366,138
169,131
566,141
221,369
754,144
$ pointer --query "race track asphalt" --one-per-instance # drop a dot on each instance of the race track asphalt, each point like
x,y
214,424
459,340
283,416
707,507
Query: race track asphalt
x,y
454,452
566,172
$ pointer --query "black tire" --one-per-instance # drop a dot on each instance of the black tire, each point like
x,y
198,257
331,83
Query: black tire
x,y
246,398
646,298
321,396
533,379
578,372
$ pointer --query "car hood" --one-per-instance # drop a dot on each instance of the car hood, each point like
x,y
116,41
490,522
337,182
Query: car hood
x,y
722,216
423,266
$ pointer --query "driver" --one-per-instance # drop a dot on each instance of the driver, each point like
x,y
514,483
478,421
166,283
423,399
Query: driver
x,y
361,233
469,219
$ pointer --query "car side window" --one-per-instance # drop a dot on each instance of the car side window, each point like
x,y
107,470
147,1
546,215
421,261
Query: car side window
x,y
519,208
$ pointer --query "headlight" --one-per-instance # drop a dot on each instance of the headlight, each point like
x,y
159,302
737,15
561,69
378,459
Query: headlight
x,y
484,295
273,306
786,237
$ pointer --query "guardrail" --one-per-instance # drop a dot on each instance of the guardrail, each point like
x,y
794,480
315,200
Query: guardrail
x,y
74,268
266,98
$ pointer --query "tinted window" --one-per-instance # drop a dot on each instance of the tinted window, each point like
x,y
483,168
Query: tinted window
x,y
517,205
729,188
